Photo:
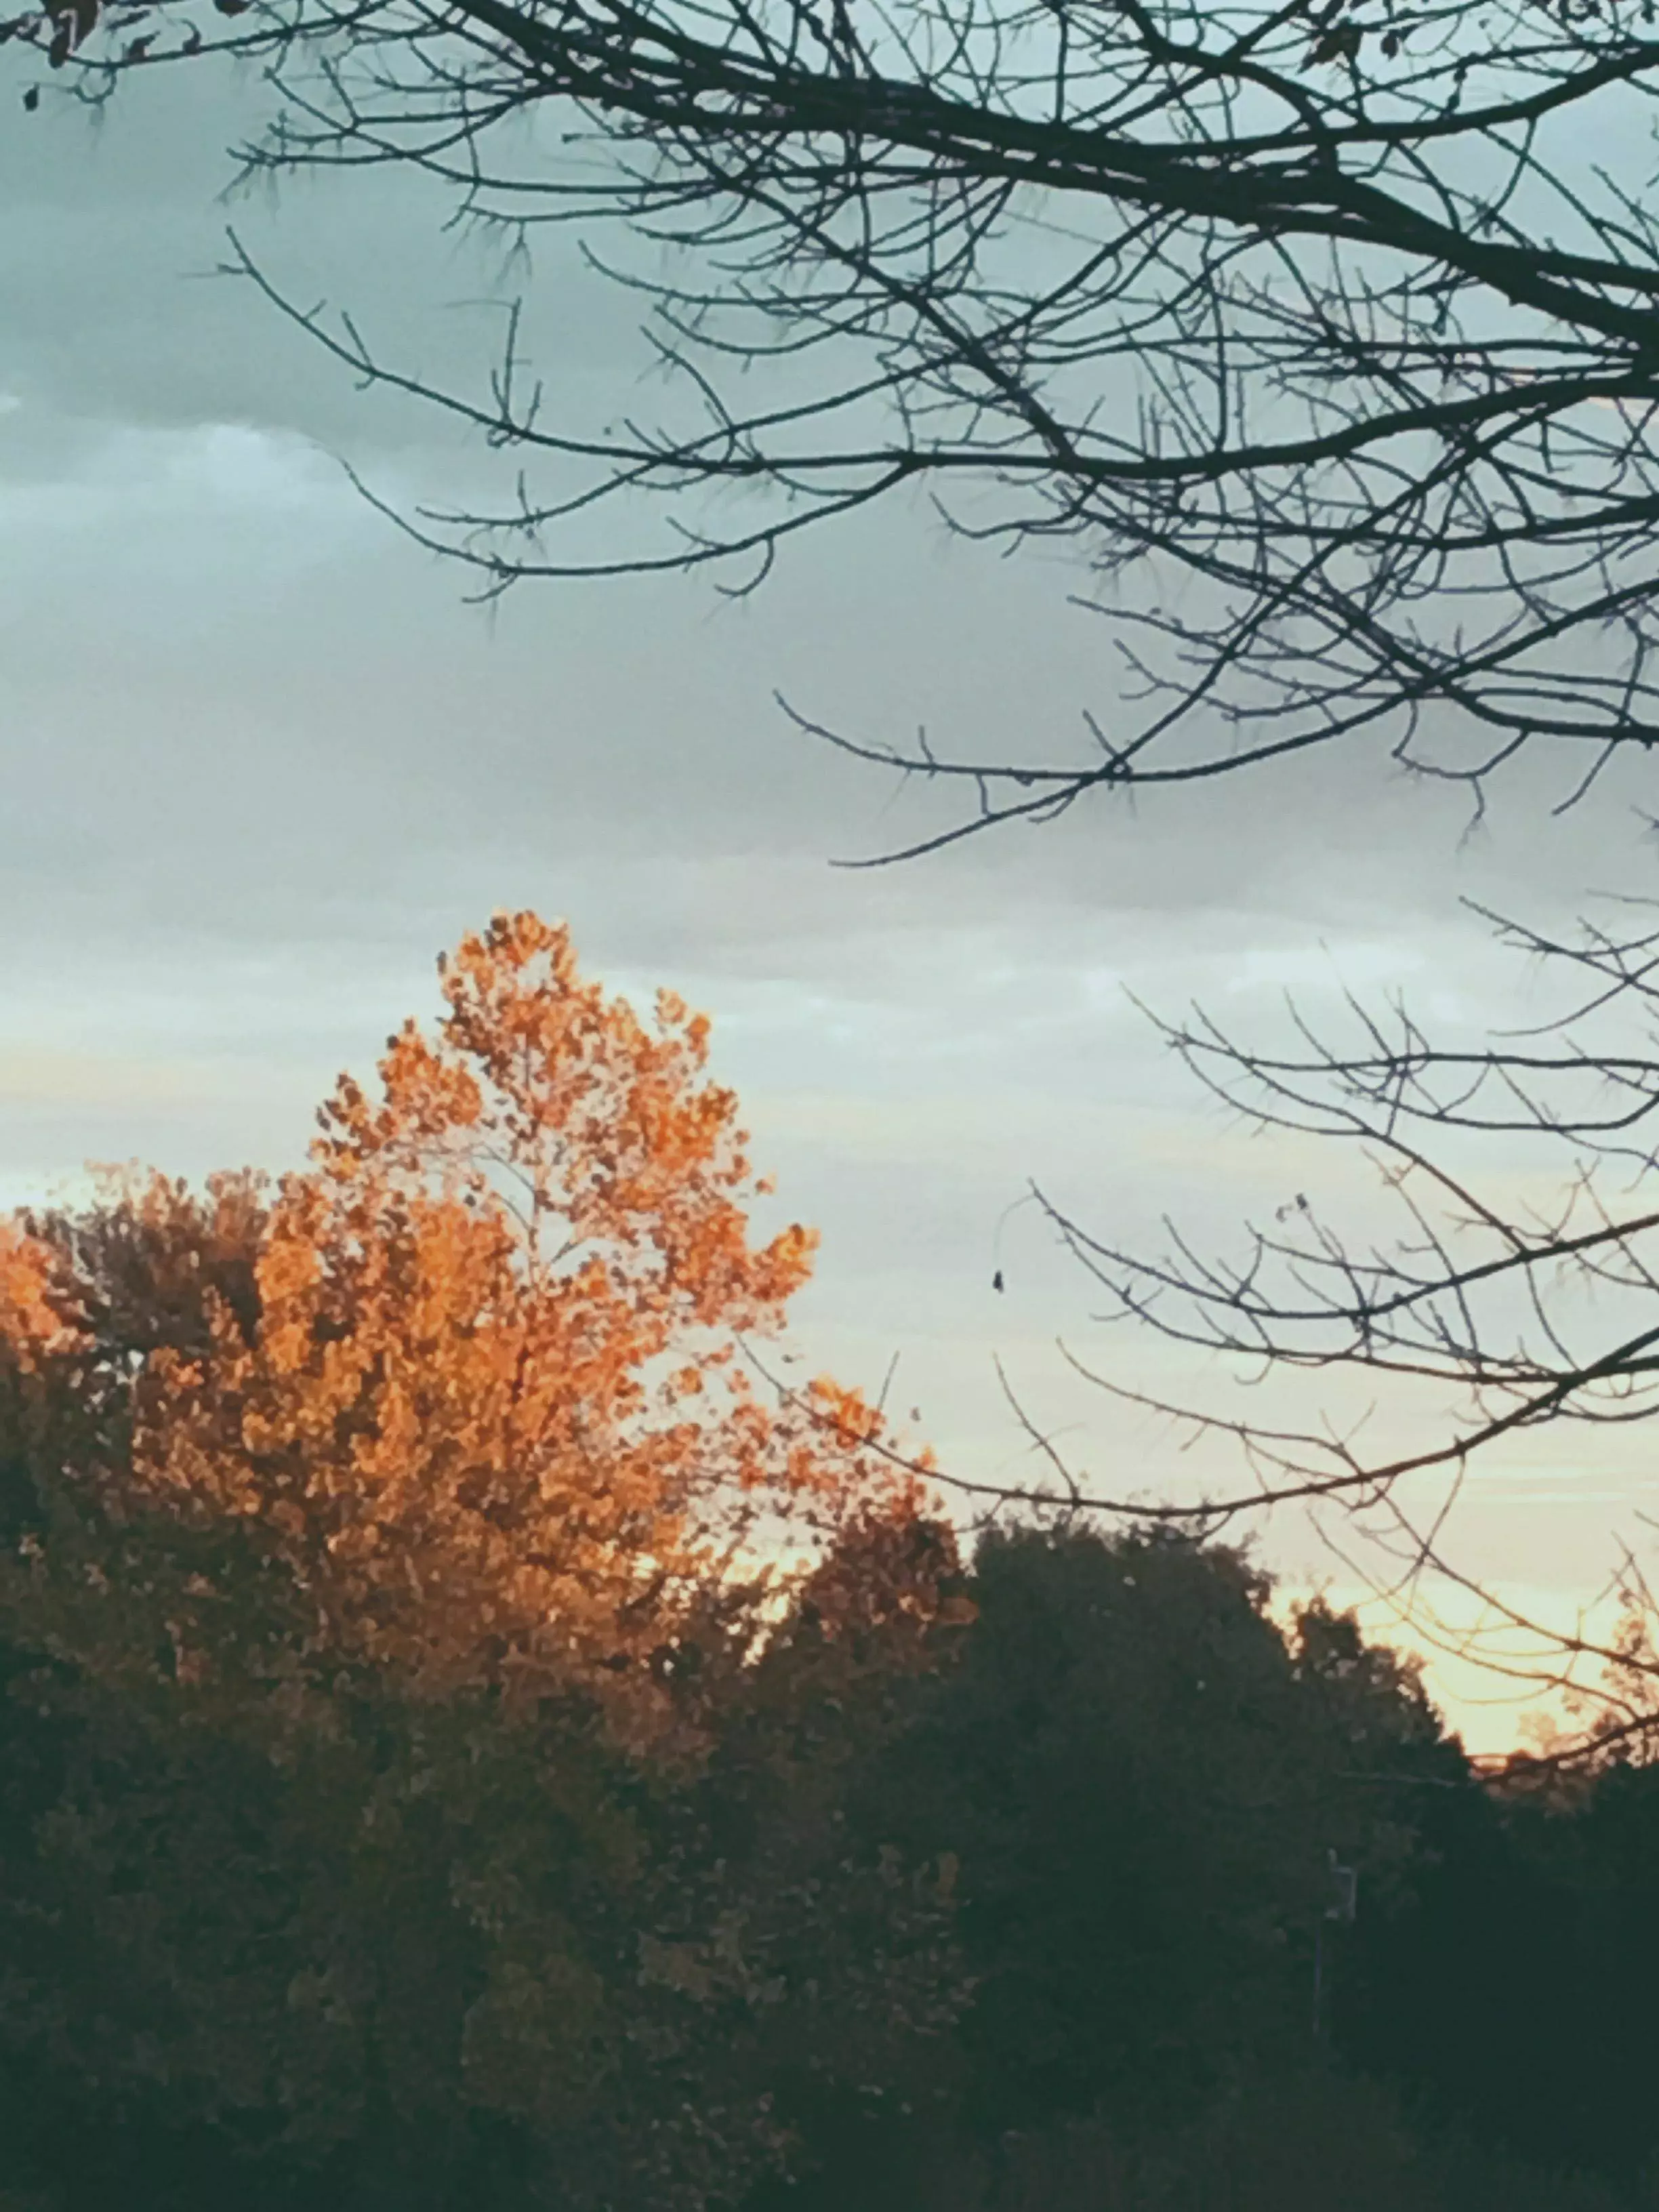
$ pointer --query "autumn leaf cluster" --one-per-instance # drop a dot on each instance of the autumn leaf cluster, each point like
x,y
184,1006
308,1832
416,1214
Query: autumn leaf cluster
x,y
477,1375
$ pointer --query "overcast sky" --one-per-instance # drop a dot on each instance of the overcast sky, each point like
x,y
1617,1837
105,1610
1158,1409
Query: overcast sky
x,y
262,762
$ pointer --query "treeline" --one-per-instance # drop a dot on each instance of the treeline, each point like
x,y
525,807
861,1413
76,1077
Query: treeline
x,y
461,1745
1016,1913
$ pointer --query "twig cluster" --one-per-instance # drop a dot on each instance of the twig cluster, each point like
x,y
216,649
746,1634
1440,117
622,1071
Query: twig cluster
x,y
1318,328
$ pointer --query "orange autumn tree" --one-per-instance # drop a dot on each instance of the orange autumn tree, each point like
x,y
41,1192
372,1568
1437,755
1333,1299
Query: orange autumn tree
x,y
485,1402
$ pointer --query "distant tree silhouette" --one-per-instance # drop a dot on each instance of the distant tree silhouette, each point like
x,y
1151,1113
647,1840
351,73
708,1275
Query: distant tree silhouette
x,y
1143,1779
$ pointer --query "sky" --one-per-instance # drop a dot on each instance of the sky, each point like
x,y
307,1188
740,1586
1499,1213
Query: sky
x,y
261,761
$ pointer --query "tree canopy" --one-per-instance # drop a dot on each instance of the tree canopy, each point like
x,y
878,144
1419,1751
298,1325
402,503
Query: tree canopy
x,y
475,1377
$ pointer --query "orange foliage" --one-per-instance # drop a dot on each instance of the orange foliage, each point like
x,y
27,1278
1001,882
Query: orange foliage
x,y
486,1401
30,1322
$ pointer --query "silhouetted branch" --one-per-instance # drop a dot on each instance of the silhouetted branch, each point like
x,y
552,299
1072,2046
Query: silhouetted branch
x,y
1324,339
1491,1309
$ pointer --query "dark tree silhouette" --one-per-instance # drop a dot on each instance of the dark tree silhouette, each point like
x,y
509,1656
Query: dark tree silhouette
x,y
1326,333
1517,1288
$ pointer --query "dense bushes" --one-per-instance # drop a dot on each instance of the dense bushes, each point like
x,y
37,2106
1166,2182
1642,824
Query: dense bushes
x,y
966,1917
412,1952
1146,1780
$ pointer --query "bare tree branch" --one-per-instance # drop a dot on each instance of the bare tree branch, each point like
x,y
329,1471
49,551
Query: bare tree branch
x,y
1329,338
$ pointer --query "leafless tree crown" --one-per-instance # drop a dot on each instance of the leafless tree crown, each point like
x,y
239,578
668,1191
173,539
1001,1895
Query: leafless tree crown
x,y
1328,333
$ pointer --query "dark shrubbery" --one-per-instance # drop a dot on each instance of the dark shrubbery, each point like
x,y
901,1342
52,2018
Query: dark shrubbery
x,y
981,1917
